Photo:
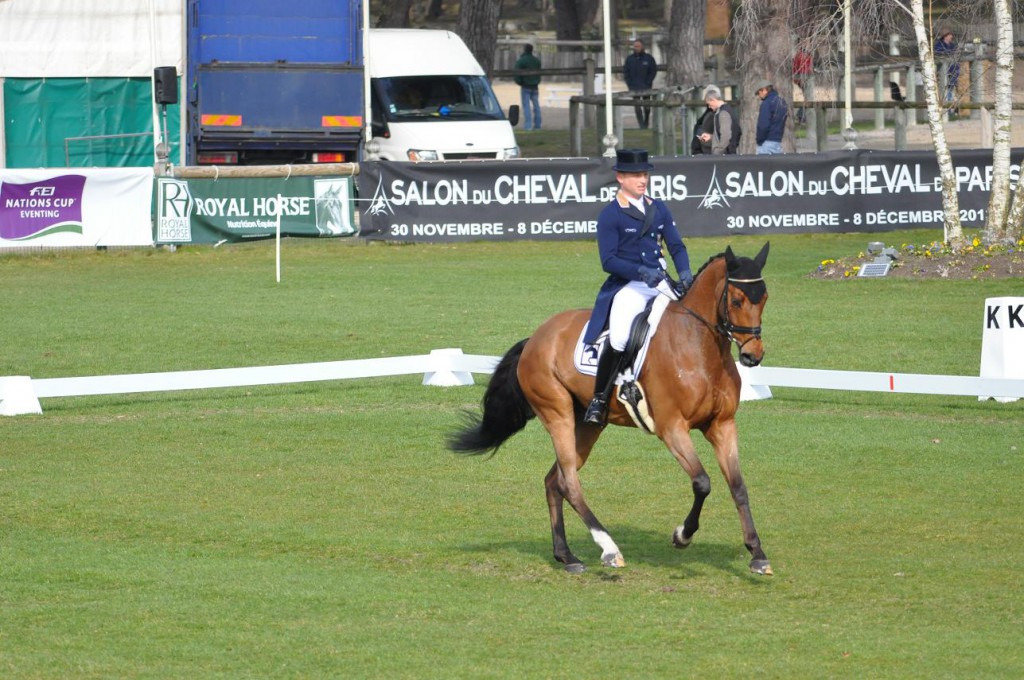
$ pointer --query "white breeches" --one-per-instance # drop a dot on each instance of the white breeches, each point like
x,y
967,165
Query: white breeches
x,y
628,302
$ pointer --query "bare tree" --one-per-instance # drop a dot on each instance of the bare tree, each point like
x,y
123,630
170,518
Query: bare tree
x,y
685,48
394,14
434,9
761,31
478,26
567,20
952,229
1004,221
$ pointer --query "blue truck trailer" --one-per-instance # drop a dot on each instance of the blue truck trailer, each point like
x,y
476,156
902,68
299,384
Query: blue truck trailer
x,y
273,81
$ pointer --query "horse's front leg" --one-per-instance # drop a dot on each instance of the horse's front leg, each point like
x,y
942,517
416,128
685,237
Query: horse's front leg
x,y
723,437
677,439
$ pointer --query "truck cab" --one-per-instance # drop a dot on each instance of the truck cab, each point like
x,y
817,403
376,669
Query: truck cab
x,y
431,101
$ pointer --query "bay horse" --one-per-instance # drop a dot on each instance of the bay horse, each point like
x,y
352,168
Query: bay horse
x,y
690,380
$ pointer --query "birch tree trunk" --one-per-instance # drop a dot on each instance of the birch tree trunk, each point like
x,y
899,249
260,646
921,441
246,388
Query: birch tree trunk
x,y
999,198
1011,228
952,230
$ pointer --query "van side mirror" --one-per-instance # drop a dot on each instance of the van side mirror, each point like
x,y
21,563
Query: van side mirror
x,y
513,115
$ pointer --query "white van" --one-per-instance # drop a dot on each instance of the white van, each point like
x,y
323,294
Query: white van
x,y
431,101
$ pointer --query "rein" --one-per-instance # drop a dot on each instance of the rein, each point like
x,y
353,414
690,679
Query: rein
x,y
725,326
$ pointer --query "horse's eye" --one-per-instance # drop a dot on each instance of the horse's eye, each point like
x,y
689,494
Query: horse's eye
x,y
737,303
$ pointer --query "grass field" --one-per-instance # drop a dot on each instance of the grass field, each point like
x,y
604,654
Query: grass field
x,y
322,530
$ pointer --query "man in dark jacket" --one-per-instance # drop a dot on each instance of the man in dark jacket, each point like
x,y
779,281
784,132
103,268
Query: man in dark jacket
x,y
771,119
529,87
639,71
703,129
630,233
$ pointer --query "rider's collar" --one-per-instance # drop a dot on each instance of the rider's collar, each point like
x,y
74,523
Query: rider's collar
x,y
625,201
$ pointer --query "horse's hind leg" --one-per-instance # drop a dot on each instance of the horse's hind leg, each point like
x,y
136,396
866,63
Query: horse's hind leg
x,y
679,443
562,483
555,509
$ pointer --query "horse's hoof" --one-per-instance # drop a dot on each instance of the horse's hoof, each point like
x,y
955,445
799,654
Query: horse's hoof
x,y
576,568
679,540
613,560
761,567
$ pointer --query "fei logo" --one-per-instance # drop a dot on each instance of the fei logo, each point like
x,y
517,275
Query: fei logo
x,y
35,210
174,205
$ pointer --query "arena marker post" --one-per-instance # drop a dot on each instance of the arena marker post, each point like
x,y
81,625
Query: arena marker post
x,y
1002,341
445,373
17,396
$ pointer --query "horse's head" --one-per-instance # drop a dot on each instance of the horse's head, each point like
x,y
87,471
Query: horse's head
x,y
744,295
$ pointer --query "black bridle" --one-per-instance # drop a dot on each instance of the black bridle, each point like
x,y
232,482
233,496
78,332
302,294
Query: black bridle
x,y
725,325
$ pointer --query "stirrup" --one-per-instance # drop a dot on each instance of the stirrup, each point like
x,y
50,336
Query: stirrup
x,y
595,414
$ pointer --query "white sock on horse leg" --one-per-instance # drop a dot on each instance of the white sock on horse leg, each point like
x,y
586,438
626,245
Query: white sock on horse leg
x,y
605,541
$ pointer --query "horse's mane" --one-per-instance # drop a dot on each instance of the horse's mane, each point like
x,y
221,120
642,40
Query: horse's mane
x,y
710,260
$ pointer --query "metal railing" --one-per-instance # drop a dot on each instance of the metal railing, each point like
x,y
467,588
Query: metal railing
x,y
89,138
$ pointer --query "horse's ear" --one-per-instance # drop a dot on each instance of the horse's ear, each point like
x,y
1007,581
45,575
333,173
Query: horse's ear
x,y
730,259
762,256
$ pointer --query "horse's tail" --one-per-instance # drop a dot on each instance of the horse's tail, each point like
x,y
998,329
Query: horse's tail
x,y
505,410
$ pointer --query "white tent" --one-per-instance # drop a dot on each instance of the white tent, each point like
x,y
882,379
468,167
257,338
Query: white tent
x,y
83,38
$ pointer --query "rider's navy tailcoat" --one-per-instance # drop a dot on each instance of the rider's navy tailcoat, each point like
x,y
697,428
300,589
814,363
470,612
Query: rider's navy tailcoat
x,y
624,250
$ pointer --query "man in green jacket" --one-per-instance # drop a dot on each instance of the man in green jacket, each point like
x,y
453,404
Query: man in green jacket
x,y
528,84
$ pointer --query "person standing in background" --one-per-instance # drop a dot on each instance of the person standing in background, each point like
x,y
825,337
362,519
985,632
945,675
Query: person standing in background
x,y
529,88
771,119
639,71
803,68
702,131
724,137
945,51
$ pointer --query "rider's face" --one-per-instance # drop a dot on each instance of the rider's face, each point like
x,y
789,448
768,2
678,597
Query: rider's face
x,y
633,184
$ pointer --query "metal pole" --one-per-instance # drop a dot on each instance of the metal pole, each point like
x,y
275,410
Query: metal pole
x,y
879,113
3,128
847,65
367,112
589,110
609,143
152,81
810,112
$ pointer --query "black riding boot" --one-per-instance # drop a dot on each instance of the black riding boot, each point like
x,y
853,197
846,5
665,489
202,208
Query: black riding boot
x,y
607,368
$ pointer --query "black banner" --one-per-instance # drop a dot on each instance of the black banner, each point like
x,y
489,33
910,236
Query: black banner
x,y
840,191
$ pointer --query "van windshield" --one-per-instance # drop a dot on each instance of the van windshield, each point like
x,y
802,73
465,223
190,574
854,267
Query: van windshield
x,y
437,97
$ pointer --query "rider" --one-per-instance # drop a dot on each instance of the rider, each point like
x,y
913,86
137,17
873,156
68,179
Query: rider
x,y
630,233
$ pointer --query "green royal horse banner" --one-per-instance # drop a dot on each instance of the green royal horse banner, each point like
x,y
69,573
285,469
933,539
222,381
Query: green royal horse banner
x,y
241,209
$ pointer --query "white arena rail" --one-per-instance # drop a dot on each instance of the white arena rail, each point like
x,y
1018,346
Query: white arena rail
x,y
449,367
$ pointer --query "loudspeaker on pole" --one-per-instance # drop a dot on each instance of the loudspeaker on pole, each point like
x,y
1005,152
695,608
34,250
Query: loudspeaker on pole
x,y
165,85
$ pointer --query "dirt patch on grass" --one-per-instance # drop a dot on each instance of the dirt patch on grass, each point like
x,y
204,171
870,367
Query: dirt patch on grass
x,y
933,261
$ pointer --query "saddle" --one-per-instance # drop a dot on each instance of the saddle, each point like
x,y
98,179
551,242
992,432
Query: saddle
x,y
630,392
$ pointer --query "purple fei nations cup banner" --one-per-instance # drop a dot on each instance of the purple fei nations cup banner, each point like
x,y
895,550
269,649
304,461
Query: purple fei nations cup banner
x,y
36,209
80,207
